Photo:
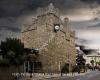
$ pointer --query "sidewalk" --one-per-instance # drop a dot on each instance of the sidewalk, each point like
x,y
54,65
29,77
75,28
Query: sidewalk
x,y
77,74
39,76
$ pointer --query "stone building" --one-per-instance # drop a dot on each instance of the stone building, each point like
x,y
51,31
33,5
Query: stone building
x,y
52,37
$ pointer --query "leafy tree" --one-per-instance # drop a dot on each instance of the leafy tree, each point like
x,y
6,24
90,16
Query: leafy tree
x,y
12,51
75,69
92,62
80,62
98,63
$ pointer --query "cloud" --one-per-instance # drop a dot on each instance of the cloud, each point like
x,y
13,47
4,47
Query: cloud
x,y
14,29
95,26
13,7
91,34
89,1
9,28
17,7
0,34
9,23
81,41
92,37
84,17
89,51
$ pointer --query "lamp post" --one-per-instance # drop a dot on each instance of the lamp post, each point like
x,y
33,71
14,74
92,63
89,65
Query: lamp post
x,y
32,59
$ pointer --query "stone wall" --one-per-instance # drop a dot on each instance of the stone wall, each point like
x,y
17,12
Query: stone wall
x,y
55,48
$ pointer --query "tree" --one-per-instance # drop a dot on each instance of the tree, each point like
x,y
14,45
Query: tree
x,y
92,63
75,69
12,51
80,61
65,68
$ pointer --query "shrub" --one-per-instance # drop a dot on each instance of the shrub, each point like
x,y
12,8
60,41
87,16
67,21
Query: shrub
x,y
65,68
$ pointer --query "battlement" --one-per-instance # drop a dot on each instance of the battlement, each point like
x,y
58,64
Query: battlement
x,y
49,9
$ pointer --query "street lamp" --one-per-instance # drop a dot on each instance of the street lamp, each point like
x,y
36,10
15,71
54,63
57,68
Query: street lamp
x,y
32,57
35,50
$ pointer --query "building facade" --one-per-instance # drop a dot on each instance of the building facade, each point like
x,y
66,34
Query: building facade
x,y
93,56
52,37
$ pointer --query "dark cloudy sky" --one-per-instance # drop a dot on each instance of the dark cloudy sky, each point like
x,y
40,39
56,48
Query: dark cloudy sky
x,y
84,17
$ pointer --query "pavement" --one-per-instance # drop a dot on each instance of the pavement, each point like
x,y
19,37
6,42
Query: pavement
x,y
92,75
89,75
57,76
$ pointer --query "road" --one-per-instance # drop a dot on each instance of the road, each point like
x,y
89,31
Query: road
x,y
94,75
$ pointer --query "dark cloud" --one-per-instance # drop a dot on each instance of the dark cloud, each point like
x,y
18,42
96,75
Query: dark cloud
x,y
95,26
12,7
85,50
2,12
12,12
86,25
89,51
17,7
91,1
13,29
9,28
9,24
0,34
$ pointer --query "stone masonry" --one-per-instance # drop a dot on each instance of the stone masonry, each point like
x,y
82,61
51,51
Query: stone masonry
x,y
55,48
